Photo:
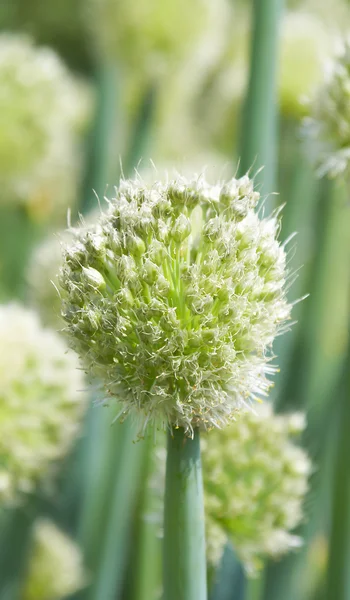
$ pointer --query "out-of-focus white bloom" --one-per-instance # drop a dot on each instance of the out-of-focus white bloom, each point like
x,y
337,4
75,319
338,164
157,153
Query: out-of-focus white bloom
x,y
55,568
146,34
42,274
327,129
174,298
42,110
255,480
305,41
41,402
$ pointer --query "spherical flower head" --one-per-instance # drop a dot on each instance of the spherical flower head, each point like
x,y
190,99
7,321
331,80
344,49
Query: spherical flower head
x,y
255,480
41,112
41,403
327,129
146,34
55,568
175,298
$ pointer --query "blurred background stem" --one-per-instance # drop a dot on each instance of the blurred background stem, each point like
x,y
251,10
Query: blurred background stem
x,y
259,132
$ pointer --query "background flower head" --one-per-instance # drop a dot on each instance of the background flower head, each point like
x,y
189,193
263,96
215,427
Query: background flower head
x,y
55,567
255,481
42,109
41,402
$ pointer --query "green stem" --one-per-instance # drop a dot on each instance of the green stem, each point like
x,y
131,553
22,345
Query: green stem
x,y
140,134
114,552
103,149
184,531
258,137
230,582
146,555
338,578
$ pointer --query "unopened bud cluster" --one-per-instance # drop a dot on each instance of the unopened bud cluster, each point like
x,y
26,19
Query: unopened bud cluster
x,y
328,126
174,298
55,567
255,481
41,402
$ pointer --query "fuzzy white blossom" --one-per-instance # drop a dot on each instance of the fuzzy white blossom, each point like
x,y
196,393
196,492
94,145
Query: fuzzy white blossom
x,y
327,129
173,300
42,110
42,274
55,568
145,34
255,481
41,402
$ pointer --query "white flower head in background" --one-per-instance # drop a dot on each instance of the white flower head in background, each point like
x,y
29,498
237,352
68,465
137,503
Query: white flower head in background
x,y
173,300
42,112
255,482
145,35
327,129
41,402
55,568
42,274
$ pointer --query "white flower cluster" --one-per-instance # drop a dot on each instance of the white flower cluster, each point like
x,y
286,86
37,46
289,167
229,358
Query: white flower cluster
x,y
42,273
145,34
41,402
255,481
173,300
41,276
55,567
327,129
42,110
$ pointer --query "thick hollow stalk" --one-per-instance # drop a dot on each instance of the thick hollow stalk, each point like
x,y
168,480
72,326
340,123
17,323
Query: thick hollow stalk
x,y
184,575
258,136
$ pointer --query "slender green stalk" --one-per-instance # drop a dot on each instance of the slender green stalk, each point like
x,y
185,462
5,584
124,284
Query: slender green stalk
x,y
140,135
230,583
126,483
258,137
338,578
302,215
184,530
101,457
103,145
146,553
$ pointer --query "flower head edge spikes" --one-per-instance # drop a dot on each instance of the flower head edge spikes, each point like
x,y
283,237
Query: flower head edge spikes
x,y
174,298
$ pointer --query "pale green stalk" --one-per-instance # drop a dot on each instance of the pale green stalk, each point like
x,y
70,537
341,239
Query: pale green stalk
x,y
146,555
338,578
230,581
258,136
184,565
115,545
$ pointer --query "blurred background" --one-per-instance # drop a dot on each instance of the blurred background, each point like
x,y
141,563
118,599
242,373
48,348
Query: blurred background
x,y
91,90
